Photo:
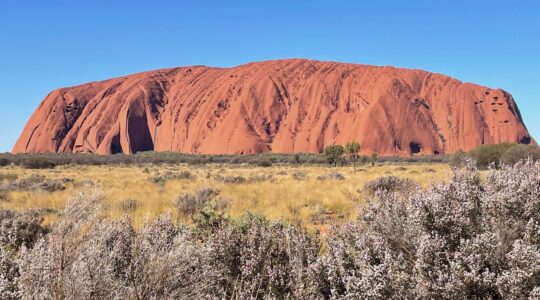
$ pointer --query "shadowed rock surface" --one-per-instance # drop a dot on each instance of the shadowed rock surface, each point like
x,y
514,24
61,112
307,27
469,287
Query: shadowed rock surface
x,y
284,106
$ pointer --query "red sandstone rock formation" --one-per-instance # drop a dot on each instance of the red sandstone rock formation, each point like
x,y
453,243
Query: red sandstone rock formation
x,y
285,106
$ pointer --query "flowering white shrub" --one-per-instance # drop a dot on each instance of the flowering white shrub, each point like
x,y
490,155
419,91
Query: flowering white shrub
x,y
467,239
9,275
470,238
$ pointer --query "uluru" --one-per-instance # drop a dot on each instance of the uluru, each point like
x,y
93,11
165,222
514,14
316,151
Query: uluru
x,y
283,106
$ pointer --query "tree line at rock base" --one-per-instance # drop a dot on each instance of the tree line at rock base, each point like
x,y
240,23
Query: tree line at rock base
x,y
334,155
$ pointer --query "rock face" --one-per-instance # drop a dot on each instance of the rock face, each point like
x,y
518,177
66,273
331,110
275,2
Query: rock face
x,y
281,106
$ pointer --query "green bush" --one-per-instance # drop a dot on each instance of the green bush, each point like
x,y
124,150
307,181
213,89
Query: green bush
x,y
189,204
230,179
37,162
496,154
486,155
389,184
162,178
459,158
4,162
334,154
264,163
520,152
158,158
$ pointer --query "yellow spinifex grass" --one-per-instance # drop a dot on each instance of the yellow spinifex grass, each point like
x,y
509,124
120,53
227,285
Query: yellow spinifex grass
x,y
309,201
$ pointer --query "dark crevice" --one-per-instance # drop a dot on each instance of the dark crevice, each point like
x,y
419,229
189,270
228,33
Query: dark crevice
x,y
525,140
415,147
139,134
116,147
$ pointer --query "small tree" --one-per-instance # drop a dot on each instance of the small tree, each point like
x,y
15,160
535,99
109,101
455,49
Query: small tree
x,y
333,154
373,159
351,150
297,158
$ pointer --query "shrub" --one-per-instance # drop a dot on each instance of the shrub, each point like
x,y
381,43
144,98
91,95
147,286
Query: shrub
x,y
17,231
4,194
259,260
230,179
37,162
28,182
9,275
389,184
50,186
197,161
158,179
4,162
260,178
234,160
141,159
37,182
364,159
264,163
67,180
331,176
461,240
464,239
429,170
85,257
184,175
161,179
299,175
8,177
486,155
20,229
520,152
207,221
459,159
189,204
130,205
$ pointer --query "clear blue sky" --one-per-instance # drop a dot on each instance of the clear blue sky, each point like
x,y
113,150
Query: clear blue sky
x,y
49,44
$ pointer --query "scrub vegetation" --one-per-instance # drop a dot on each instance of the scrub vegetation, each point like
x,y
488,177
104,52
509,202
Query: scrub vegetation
x,y
377,229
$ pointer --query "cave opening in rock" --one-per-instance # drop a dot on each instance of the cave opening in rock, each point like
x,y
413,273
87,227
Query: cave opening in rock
x,y
116,147
140,138
525,140
415,147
